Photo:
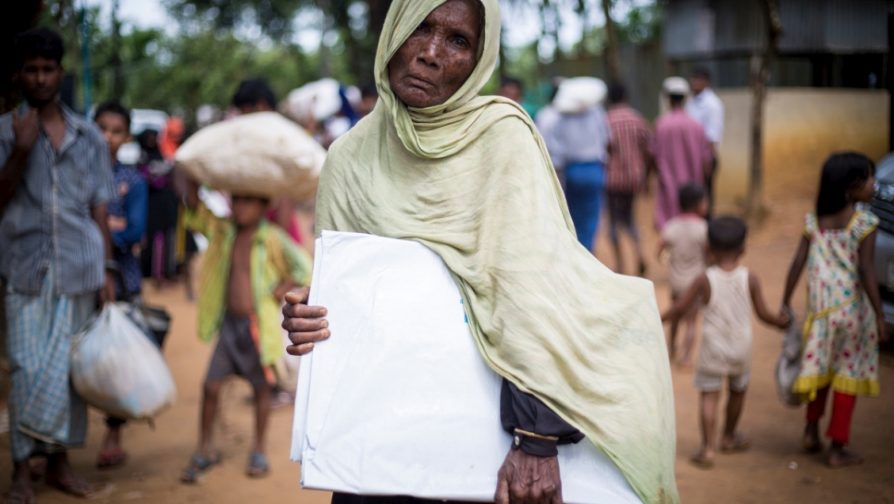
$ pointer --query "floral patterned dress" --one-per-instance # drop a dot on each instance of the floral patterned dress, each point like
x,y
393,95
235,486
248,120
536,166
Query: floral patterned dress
x,y
840,335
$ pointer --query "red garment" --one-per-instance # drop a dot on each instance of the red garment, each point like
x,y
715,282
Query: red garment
x,y
170,138
631,140
842,412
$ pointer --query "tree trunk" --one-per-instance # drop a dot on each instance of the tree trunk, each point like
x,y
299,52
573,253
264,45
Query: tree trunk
x,y
760,73
610,54
115,57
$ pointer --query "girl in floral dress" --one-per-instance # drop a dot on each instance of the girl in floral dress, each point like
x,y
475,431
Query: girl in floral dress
x,y
844,319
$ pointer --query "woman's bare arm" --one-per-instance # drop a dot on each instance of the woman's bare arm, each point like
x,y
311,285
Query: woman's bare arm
x,y
794,272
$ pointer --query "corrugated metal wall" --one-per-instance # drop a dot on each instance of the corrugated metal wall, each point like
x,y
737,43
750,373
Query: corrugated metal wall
x,y
711,28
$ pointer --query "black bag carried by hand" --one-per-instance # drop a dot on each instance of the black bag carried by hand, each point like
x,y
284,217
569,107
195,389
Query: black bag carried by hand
x,y
154,321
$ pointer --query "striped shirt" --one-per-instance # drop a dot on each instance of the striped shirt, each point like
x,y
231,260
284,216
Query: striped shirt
x,y
630,150
49,223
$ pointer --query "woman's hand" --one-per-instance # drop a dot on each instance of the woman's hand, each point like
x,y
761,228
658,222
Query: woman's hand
x,y
528,479
305,324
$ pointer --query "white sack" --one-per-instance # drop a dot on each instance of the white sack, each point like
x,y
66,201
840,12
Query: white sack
x,y
116,369
262,153
318,99
579,93
399,401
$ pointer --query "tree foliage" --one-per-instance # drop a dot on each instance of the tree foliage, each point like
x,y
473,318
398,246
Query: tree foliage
x,y
217,43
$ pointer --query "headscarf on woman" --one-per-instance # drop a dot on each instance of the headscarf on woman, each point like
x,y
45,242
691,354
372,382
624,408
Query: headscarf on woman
x,y
471,180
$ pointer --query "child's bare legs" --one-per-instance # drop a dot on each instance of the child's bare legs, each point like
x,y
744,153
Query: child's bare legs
x,y
210,400
688,337
263,400
672,340
258,465
708,423
734,441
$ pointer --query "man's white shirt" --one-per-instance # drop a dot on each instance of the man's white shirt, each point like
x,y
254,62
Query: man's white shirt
x,y
707,109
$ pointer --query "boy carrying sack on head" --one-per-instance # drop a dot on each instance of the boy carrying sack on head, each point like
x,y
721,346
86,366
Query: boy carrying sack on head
x,y
248,268
729,293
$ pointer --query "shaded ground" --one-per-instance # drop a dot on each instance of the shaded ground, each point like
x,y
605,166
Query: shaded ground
x,y
774,470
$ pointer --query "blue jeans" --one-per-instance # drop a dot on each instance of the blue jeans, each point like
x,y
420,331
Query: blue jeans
x,y
584,184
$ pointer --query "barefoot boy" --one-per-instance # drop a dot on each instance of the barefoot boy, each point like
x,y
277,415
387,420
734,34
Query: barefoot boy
x,y
729,293
685,237
248,268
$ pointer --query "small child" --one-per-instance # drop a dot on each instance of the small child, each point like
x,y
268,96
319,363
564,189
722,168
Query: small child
x,y
685,237
128,211
248,268
844,319
728,291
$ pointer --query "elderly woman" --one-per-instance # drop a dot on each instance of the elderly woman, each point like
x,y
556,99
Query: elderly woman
x,y
581,349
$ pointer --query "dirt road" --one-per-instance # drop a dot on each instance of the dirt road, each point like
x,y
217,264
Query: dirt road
x,y
774,470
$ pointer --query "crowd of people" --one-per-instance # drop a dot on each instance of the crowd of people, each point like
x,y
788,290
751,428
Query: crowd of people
x,y
79,229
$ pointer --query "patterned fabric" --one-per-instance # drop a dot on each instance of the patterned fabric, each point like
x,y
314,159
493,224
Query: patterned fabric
x,y
681,153
44,411
130,203
274,259
631,142
841,340
48,223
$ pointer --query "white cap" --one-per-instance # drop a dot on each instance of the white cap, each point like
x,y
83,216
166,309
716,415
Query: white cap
x,y
676,86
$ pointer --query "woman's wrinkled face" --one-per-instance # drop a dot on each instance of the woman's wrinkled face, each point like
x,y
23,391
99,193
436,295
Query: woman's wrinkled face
x,y
439,56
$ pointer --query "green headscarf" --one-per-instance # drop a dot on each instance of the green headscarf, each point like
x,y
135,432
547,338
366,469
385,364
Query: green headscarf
x,y
471,179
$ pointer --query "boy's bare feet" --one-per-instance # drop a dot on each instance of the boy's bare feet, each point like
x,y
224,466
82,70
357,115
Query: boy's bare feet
x,y
736,444
111,454
703,459
812,442
839,456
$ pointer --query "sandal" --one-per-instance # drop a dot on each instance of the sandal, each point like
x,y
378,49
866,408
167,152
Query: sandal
x,y
738,444
108,459
258,466
198,465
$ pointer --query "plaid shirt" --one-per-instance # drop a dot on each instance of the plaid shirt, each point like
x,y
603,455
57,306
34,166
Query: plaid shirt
x,y
631,141
49,223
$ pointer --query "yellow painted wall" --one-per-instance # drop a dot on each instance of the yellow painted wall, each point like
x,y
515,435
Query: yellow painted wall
x,y
802,127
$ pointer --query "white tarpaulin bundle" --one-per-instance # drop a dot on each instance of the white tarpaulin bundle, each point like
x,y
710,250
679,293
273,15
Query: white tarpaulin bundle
x,y
399,401
579,93
261,154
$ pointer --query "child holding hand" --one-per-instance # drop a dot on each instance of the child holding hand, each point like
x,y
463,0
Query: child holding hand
x,y
729,293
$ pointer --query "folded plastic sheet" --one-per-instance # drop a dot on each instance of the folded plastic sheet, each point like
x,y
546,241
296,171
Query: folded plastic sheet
x,y
399,401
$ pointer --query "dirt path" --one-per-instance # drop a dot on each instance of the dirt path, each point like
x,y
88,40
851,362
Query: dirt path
x,y
774,470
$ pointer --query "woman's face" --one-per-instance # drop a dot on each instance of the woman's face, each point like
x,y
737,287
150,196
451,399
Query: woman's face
x,y
439,56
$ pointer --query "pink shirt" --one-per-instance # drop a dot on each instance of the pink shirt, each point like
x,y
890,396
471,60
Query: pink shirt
x,y
681,153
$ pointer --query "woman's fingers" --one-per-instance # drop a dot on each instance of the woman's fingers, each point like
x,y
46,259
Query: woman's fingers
x,y
302,338
300,350
293,311
297,296
300,325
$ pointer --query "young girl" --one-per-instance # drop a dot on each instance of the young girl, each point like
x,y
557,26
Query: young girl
x,y
844,313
